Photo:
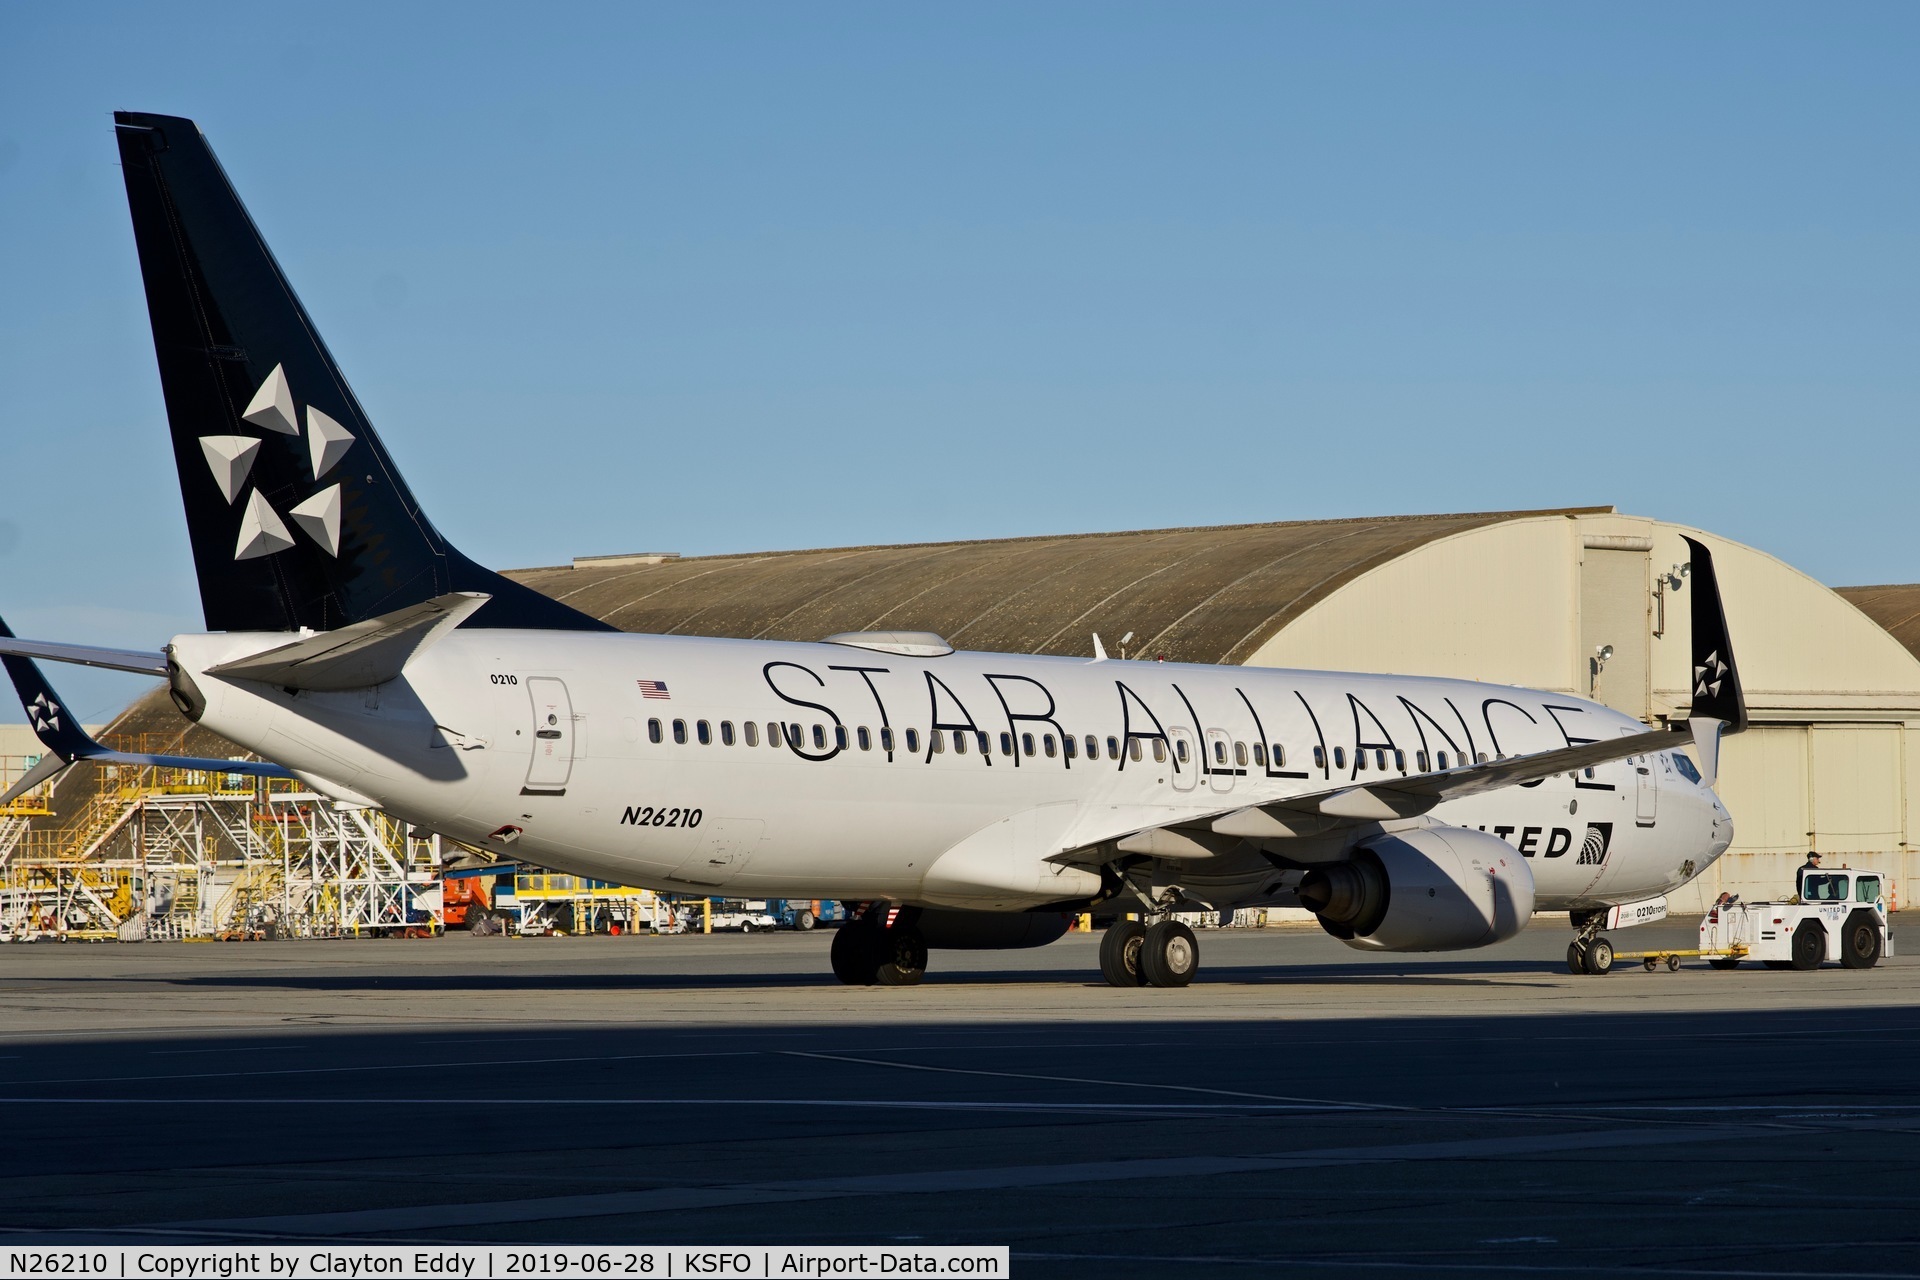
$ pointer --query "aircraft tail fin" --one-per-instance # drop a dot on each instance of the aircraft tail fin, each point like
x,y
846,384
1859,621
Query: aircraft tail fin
x,y
297,514
1719,706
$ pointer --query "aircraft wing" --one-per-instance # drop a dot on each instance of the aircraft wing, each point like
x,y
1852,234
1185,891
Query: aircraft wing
x,y
1718,707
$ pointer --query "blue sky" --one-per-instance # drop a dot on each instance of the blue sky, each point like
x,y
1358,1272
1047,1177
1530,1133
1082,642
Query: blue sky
x,y
722,277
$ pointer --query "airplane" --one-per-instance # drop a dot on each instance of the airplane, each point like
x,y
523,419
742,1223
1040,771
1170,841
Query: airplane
x,y
970,799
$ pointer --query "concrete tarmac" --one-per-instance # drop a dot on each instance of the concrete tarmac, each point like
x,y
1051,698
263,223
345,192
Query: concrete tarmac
x,y
1303,1109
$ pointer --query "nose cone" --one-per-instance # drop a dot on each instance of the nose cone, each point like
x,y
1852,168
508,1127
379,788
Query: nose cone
x,y
1722,835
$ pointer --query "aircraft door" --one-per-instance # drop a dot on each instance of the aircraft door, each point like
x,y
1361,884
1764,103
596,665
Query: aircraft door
x,y
552,735
1186,758
1220,763
1649,787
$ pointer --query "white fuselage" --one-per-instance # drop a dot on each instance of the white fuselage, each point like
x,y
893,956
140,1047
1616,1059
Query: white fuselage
x,y
547,744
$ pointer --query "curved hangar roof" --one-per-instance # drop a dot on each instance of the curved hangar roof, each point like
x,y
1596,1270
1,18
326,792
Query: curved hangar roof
x,y
1195,595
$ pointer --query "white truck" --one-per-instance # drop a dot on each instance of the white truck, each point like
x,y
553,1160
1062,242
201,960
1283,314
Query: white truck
x,y
1838,915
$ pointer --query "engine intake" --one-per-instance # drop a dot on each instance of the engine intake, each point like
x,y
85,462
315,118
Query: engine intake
x,y
1430,889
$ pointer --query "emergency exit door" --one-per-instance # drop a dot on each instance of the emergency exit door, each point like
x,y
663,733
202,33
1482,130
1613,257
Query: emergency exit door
x,y
552,735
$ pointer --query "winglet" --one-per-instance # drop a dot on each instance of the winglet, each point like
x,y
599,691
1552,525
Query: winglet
x,y
1718,706
1099,650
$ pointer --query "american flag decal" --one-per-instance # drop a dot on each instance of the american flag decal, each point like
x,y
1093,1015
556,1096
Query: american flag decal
x,y
653,689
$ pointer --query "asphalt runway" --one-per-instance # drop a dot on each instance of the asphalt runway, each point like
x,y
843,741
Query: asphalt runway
x,y
1303,1109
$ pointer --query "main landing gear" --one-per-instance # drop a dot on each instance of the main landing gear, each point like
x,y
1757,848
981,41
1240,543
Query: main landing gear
x,y
882,948
1165,954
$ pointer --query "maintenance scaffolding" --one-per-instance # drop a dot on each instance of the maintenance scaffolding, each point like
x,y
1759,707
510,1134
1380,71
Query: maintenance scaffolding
x,y
178,853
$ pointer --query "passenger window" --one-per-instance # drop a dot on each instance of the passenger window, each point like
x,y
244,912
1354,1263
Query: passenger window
x,y
1093,747
1219,752
1278,756
1380,761
866,739
1071,745
819,737
1339,757
1319,757
1159,750
1180,751
1420,761
1400,761
1359,759
680,732
984,740
959,743
653,731
1440,760
1006,744
773,734
1240,754
1113,747
886,740
1133,749
913,741
1026,745
1047,741
938,741
1483,757
1259,755
752,731
704,732
726,733
840,736
795,736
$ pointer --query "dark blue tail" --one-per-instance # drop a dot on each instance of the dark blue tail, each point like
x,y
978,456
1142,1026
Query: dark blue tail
x,y
298,516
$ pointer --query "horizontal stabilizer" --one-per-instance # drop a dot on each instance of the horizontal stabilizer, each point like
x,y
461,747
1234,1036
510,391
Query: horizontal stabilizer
x,y
86,655
66,742
355,657
50,767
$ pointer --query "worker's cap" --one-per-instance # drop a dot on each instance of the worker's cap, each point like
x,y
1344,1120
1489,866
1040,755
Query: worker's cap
x,y
1813,857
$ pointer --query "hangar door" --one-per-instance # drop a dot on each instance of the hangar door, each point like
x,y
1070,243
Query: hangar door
x,y
1856,787
1763,782
1614,599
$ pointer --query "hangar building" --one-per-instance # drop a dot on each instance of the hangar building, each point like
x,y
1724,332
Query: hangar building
x,y
1584,601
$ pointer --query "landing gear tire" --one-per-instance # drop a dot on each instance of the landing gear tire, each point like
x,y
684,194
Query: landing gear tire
x,y
903,957
1120,953
1860,941
1169,955
1576,956
1599,957
1809,945
856,955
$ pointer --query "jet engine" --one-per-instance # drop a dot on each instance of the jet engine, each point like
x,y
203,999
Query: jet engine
x,y
1430,889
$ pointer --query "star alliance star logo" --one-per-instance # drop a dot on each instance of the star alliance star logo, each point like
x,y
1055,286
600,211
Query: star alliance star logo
x,y
45,714
1709,676
231,458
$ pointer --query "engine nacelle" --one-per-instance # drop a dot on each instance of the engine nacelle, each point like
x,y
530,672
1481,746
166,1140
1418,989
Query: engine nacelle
x,y
990,930
1430,889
